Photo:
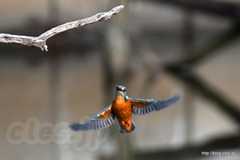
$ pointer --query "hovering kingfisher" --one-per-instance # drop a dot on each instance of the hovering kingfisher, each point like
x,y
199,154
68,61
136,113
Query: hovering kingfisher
x,y
122,109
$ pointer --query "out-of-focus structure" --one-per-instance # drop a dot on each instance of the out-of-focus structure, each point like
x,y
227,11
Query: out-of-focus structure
x,y
155,47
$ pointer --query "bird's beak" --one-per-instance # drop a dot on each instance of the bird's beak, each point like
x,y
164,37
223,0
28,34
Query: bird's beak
x,y
120,93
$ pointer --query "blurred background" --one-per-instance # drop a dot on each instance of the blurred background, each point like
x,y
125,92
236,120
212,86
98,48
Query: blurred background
x,y
157,48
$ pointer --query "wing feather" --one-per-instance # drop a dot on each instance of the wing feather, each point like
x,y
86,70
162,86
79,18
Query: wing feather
x,y
142,107
101,120
92,124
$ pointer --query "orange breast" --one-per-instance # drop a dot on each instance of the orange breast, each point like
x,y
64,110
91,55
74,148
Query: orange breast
x,y
123,111
122,108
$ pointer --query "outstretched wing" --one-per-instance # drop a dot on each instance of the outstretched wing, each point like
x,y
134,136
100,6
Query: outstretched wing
x,y
144,106
103,119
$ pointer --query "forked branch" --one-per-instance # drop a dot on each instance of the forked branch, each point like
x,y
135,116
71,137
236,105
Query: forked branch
x,y
40,41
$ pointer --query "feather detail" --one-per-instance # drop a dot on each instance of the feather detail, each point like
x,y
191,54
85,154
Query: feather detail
x,y
154,105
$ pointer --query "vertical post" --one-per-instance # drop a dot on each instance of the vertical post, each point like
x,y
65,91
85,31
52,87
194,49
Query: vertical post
x,y
115,65
54,75
188,50
53,9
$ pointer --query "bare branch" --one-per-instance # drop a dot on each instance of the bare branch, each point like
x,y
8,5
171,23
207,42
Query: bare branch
x,y
40,41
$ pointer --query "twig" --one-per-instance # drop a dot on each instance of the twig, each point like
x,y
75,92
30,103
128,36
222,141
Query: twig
x,y
40,41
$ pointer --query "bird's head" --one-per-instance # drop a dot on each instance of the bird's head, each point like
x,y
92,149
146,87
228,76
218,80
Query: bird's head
x,y
121,90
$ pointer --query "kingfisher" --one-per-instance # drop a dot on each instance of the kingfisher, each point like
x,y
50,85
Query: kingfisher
x,y
121,110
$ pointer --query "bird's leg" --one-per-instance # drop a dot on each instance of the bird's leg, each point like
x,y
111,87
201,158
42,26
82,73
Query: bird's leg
x,y
127,127
122,127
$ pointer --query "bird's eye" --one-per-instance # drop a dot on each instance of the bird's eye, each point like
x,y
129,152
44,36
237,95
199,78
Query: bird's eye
x,y
121,88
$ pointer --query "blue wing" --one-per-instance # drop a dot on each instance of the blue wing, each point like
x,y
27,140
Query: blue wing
x,y
102,120
92,124
142,107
